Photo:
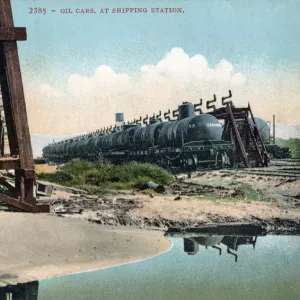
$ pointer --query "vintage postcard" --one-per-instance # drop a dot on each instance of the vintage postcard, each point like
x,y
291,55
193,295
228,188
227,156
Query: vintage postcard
x,y
150,149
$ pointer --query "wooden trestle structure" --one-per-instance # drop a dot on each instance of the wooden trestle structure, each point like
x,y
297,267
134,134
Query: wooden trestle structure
x,y
249,146
23,195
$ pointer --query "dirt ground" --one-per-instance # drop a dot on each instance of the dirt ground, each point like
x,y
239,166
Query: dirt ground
x,y
64,242
270,196
38,246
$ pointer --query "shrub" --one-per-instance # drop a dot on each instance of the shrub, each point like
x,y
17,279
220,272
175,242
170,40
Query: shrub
x,y
58,177
82,173
293,144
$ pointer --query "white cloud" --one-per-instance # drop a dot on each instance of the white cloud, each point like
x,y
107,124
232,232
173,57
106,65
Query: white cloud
x,y
88,103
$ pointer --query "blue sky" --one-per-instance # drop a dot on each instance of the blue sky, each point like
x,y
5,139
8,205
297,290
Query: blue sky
x,y
140,63
240,31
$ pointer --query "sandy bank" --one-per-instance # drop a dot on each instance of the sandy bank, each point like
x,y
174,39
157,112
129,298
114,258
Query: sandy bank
x,y
41,246
271,197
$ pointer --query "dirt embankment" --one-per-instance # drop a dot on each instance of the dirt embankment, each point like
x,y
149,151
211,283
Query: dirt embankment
x,y
269,196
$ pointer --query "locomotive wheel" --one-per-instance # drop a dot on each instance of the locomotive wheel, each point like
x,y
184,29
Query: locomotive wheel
x,y
190,162
223,160
220,160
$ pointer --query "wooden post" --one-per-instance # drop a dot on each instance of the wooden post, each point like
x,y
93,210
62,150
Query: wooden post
x,y
15,110
274,140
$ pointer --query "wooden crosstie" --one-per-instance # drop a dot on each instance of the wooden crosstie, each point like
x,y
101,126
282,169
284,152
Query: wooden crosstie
x,y
23,195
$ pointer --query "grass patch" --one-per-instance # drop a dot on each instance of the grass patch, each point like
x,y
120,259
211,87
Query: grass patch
x,y
97,177
96,190
247,192
242,192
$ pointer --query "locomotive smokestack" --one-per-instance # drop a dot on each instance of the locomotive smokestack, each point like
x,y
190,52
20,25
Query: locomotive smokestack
x,y
119,120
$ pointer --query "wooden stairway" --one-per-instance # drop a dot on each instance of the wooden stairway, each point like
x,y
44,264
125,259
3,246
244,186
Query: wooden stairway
x,y
249,146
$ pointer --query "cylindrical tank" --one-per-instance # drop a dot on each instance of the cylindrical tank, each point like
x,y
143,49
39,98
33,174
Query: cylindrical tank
x,y
208,241
98,142
105,141
119,121
204,127
186,110
198,128
119,117
92,145
126,140
72,148
68,147
110,139
138,137
75,148
263,129
190,247
81,147
164,140
115,141
151,136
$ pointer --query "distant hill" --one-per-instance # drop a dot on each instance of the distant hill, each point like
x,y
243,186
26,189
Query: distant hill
x,y
284,131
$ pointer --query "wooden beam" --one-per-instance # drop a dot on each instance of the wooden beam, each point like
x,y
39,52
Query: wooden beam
x,y
225,130
17,100
6,18
13,34
238,137
15,109
2,141
257,152
11,130
258,134
9,163
6,184
16,92
24,206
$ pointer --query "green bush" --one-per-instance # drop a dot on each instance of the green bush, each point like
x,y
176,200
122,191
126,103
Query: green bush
x,y
58,177
292,144
82,173
247,192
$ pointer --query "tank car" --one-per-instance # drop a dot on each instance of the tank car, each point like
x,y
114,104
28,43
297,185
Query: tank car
x,y
273,150
263,129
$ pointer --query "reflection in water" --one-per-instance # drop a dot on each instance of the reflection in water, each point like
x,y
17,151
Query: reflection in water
x,y
24,291
271,272
232,242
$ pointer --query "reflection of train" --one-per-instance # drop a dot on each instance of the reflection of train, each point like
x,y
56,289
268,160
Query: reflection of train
x,y
191,244
189,141
22,291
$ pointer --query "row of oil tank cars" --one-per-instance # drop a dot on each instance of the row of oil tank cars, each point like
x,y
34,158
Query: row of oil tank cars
x,y
190,142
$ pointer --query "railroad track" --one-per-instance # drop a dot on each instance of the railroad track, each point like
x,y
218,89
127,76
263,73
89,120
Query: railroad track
x,y
273,174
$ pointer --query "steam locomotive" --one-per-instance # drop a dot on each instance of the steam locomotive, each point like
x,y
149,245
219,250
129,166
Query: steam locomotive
x,y
188,143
